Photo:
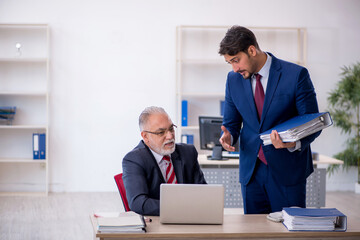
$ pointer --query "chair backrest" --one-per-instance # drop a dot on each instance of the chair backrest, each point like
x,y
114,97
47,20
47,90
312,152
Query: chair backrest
x,y
121,187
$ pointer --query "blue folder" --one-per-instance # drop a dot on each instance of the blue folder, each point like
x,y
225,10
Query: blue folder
x,y
299,127
184,113
42,146
36,152
308,219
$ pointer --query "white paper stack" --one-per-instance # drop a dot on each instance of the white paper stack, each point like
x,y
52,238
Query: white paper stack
x,y
127,222
299,127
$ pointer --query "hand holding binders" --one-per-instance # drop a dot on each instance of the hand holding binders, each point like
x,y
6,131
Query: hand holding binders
x,y
299,127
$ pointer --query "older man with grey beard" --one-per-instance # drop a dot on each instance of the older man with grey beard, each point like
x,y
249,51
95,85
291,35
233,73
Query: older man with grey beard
x,y
156,160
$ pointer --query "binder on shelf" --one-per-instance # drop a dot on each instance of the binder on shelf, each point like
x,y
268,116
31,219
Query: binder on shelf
x,y
222,104
187,138
36,152
184,113
42,146
299,127
314,219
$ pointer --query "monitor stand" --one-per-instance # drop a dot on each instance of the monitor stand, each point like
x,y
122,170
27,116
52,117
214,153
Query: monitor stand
x,y
216,154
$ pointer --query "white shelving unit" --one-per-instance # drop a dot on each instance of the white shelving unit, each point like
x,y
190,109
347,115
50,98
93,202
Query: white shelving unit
x,y
201,72
24,80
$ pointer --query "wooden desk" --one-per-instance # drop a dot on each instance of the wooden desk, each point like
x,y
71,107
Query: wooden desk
x,y
235,227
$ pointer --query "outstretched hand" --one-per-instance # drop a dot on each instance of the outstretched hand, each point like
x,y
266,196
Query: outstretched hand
x,y
225,140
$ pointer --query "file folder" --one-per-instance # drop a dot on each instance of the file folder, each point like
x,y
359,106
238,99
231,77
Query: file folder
x,y
299,127
187,138
314,219
184,113
36,153
42,146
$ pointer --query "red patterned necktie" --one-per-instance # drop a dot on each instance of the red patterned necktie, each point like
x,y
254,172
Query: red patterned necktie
x,y
259,101
170,173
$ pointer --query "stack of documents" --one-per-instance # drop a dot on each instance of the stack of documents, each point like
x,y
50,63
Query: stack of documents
x,y
127,222
314,219
7,113
299,127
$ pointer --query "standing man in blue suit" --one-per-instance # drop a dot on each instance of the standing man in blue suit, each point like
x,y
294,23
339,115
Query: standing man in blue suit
x,y
144,168
262,92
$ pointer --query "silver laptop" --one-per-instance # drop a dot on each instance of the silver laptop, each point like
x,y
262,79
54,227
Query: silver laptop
x,y
192,203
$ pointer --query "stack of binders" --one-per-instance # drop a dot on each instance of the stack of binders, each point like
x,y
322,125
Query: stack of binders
x,y
126,222
7,114
299,127
314,219
39,146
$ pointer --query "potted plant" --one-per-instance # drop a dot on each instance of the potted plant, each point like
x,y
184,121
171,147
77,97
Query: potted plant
x,y
344,103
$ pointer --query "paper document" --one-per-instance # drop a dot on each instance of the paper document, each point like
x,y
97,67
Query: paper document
x,y
125,222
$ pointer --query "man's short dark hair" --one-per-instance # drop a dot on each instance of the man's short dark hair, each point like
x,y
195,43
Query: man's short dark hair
x,y
237,39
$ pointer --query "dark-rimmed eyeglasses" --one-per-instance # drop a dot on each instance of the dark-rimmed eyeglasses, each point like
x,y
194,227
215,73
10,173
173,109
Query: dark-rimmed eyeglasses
x,y
163,132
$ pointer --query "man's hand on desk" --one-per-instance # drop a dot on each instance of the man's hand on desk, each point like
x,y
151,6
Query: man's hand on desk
x,y
278,143
225,140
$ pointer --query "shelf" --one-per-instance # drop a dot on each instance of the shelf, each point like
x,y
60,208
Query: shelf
x,y
203,95
39,94
203,61
20,59
22,160
22,26
201,72
23,127
24,83
189,127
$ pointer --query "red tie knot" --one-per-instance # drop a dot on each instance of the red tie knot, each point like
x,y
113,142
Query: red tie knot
x,y
258,77
166,158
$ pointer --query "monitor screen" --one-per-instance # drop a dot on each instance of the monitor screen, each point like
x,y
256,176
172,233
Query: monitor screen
x,y
210,132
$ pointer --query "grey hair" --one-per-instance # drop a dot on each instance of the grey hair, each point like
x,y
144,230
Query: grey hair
x,y
147,112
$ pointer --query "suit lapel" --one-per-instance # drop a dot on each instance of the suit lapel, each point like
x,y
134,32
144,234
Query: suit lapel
x,y
177,163
274,77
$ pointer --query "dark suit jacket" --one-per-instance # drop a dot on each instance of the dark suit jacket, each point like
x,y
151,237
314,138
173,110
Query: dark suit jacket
x,y
289,93
142,175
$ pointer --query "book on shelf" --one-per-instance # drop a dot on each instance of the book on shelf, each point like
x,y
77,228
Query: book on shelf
x,y
299,127
125,222
314,219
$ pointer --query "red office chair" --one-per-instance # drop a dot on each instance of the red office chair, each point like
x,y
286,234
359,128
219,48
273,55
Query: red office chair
x,y
121,187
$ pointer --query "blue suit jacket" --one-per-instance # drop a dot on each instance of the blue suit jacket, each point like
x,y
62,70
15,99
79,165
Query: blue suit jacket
x,y
142,175
289,93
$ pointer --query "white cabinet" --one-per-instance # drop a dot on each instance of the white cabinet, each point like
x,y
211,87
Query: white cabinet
x,y
24,78
201,72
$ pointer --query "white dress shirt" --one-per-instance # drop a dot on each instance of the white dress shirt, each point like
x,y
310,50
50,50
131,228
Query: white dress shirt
x,y
162,163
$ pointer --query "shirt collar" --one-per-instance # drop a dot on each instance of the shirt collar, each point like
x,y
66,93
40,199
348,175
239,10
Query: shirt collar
x,y
158,157
264,71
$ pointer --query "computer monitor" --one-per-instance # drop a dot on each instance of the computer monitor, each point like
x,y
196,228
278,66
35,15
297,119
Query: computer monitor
x,y
210,133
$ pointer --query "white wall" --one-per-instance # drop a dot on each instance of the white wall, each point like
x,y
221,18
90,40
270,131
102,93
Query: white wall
x,y
112,58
